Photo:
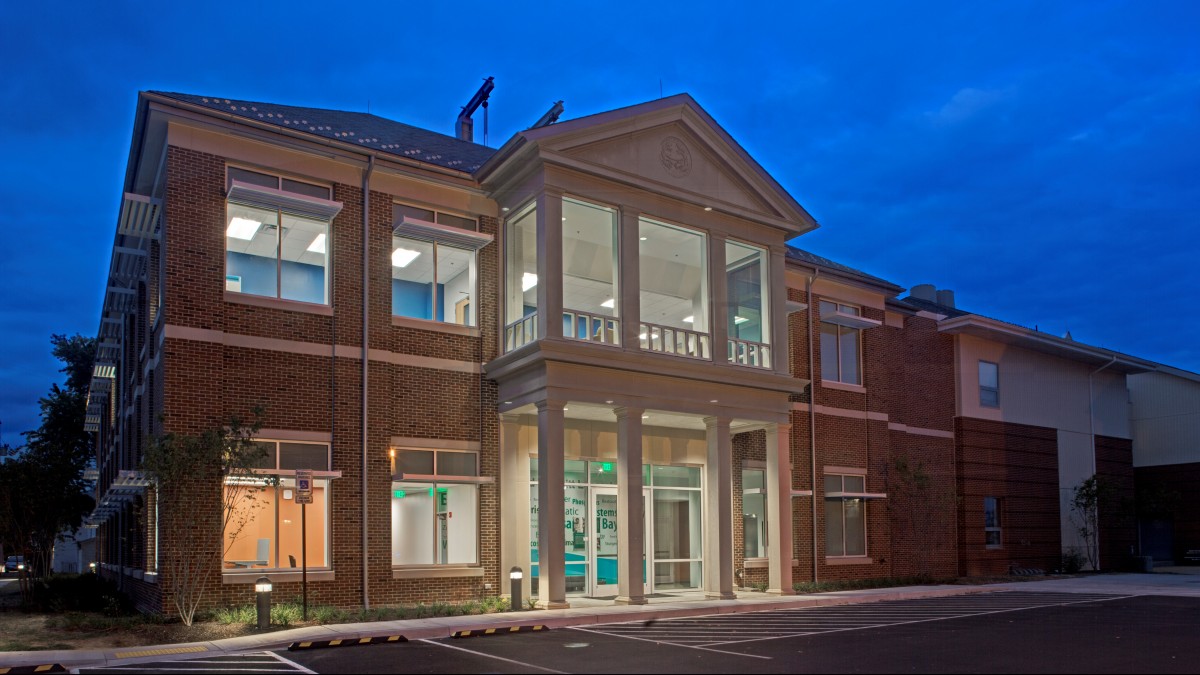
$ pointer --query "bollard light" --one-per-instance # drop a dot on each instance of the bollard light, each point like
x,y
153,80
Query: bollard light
x,y
263,588
515,575
92,567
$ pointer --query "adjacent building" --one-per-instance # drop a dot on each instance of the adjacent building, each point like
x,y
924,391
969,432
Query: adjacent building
x,y
602,315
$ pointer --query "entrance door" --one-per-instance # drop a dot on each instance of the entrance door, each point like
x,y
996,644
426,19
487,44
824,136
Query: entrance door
x,y
605,566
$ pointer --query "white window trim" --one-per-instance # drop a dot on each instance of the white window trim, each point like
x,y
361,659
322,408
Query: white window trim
x,y
982,388
865,556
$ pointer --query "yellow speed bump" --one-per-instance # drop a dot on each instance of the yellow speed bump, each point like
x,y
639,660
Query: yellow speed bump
x,y
484,632
45,668
344,642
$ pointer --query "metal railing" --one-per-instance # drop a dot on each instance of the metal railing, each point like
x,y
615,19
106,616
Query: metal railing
x,y
749,353
677,341
520,332
591,327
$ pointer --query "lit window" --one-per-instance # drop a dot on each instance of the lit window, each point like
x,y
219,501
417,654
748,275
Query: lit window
x,y
747,313
272,250
520,279
991,522
845,516
435,514
433,281
673,274
841,346
989,384
263,527
754,513
589,257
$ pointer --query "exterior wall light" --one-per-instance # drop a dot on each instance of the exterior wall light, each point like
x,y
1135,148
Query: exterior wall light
x,y
515,575
263,588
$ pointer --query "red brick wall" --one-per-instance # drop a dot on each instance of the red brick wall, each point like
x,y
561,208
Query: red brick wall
x,y
206,382
1118,524
1018,464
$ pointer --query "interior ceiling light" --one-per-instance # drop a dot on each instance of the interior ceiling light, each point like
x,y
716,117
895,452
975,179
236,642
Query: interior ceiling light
x,y
318,245
738,320
528,281
242,228
609,303
689,319
402,257
642,336
708,208
643,238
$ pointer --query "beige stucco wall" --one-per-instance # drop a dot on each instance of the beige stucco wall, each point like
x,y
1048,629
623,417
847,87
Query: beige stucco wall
x,y
1165,419
1041,390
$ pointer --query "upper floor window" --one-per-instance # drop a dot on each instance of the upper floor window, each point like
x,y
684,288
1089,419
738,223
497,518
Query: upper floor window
x,y
520,279
433,281
841,346
277,237
673,272
747,312
589,257
989,384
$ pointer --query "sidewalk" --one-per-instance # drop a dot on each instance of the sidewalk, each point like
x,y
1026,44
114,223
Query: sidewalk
x,y
416,629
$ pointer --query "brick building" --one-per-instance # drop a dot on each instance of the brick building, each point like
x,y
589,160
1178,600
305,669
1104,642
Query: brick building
x,y
603,313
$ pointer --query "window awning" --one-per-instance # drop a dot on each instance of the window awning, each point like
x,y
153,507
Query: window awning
x,y
139,216
292,202
426,478
443,234
801,493
856,495
849,320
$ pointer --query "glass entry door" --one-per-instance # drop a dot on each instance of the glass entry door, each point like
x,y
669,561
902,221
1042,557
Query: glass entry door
x,y
605,564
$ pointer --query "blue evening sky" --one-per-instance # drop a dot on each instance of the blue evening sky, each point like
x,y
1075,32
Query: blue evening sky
x,y
1041,159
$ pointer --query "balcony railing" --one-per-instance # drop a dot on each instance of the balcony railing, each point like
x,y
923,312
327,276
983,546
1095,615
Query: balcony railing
x,y
591,327
749,353
520,332
678,341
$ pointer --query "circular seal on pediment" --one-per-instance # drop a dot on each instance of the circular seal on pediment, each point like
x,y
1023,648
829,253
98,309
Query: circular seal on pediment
x,y
675,156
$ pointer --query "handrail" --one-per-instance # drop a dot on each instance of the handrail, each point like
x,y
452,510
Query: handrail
x,y
520,332
579,325
749,353
677,341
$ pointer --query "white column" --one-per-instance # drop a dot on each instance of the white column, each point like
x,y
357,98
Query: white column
x,y
550,265
779,509
630,285
718,510
718,321
631,519
514,504
552,582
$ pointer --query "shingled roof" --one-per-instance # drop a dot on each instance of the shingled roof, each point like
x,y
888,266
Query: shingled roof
x,y
807,258
364,129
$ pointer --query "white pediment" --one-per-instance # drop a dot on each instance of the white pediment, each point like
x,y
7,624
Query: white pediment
x,y
673,146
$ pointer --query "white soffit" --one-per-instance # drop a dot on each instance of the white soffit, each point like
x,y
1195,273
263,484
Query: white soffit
x,y
998,331
291,202
443,234
849,320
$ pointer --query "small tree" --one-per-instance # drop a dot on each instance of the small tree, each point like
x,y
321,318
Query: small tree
x,y
920,508
179,464
1088,499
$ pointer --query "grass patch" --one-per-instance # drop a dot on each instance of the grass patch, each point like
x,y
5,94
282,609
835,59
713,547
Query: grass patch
x,y
290,613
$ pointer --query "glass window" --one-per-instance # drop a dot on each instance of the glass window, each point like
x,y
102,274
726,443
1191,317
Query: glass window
x,y
991,522
845,517
841,347
252,251
433,281
677,538
401,211
251,178
989,384
602,473
263,531
746,278
589,255
520,279
435,522
675,476
673,264
304,456
754,514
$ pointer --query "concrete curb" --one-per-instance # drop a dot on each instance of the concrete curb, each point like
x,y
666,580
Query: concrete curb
x,y
419,629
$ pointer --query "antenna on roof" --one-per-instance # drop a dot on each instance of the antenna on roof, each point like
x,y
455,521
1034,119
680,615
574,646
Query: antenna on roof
x,y
550,117
466,126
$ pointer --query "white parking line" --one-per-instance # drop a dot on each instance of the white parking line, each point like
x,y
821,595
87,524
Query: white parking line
x,y
703,649
492,656
291,663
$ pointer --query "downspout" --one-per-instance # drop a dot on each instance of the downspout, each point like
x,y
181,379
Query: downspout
x,y
812,418
1092,430
366,259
